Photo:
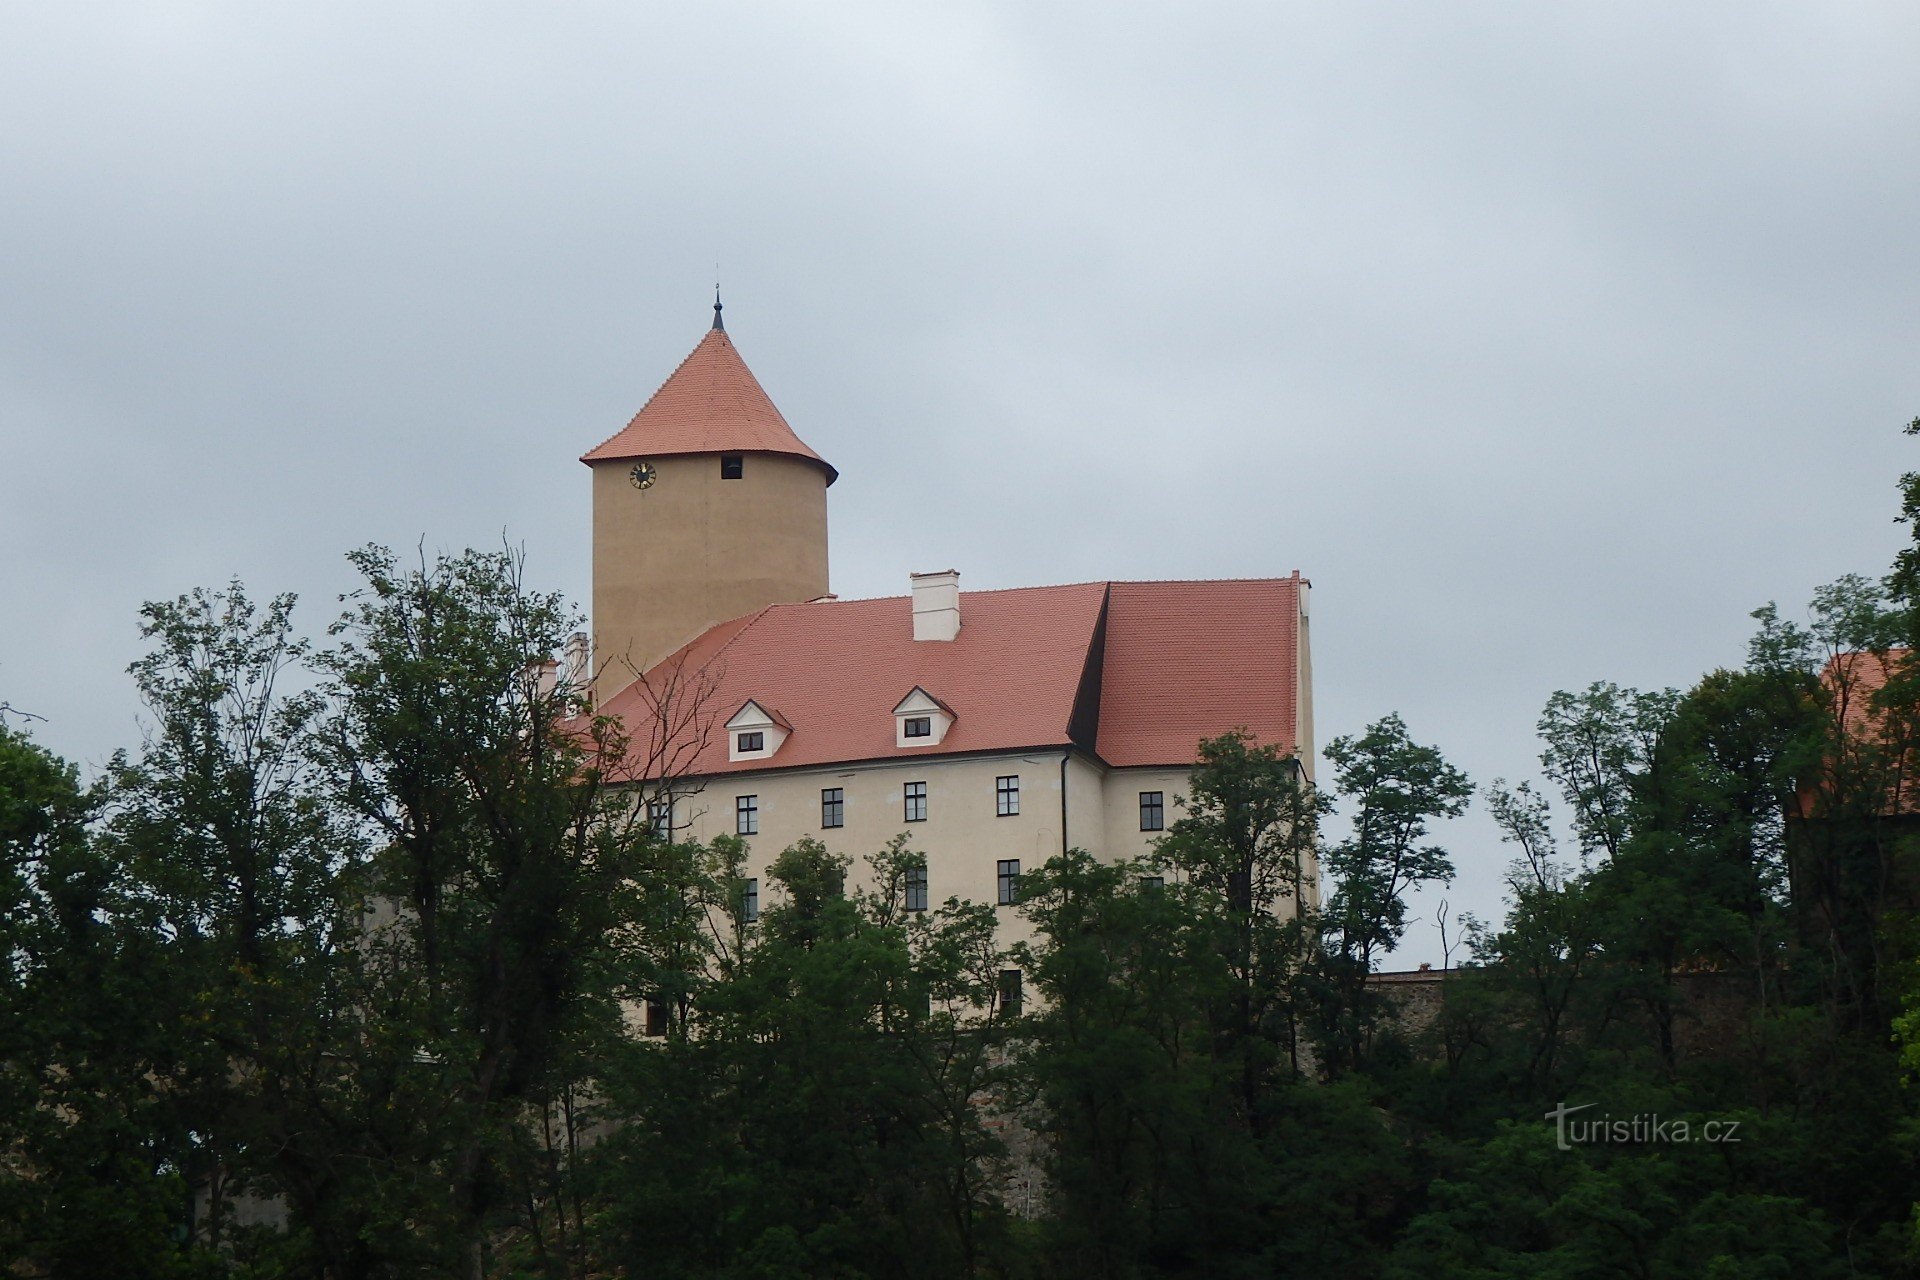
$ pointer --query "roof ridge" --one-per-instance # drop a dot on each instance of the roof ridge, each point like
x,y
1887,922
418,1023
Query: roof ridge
x,y
1295,576
1054,586
753,620
979,591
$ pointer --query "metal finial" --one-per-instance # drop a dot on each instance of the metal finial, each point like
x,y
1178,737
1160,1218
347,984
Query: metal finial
x,y
718,323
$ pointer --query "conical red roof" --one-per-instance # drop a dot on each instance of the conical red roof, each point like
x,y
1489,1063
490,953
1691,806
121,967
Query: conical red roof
x,y
711,404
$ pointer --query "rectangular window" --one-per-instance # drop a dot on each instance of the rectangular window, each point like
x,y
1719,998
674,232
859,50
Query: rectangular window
x,y
918,727
732,466
1010,993
660,818
1009,879
755,741
916,802
656,1017
746,815
1153,811
750,900
916,888
833,807
1006,797
1153,883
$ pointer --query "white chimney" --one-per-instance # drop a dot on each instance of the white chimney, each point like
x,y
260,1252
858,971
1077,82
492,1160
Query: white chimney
x,y
579,663
542,676
936,605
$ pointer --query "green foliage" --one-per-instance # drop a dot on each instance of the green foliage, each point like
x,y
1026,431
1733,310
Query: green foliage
x,y
1166,1061
1597,743
91,1182
829,1094
1518,1206
1397,787
489,959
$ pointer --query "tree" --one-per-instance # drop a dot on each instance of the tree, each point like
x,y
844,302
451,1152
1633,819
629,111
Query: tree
x,y
93,1146
1122,1061
240,861
833,1080
1181,1137
1250,822
1397,787
486,967
1549,940
1597,743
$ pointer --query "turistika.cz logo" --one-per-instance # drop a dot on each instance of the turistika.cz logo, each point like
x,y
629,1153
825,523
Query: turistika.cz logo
x,y
1639,1130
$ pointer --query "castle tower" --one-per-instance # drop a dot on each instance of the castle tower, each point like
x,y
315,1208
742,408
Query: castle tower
x,y
705,507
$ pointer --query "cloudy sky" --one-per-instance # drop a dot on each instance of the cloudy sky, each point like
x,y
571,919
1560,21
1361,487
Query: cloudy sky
x,y
1548,340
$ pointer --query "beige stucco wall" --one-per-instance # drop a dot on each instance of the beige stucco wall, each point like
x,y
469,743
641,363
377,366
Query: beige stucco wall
x,y
1123,837
963,838
693,550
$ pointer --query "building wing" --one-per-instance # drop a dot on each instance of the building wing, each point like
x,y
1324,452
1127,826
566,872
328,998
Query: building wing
x,y
1192,660
1135,673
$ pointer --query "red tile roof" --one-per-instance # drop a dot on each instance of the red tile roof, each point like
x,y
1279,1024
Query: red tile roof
x,y
1878,739
1137,672
1190,660
712,403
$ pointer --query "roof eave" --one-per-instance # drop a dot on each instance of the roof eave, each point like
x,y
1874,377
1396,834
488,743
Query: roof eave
x,y
610,452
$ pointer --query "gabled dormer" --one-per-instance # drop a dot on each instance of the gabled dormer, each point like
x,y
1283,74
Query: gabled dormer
x,y
755,732
921,720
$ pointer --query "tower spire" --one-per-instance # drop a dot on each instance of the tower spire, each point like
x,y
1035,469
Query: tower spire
x,y
718,323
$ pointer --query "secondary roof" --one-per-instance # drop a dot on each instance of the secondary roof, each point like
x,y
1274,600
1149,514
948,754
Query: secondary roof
x,y
1135,672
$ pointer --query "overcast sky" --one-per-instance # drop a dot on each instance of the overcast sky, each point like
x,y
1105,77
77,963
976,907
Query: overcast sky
x,y
1548,340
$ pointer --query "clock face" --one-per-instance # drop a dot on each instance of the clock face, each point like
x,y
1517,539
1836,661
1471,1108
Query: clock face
x,y
642,475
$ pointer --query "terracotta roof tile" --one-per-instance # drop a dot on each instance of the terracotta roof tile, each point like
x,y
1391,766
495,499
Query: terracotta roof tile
x,y
1855,680
1191,660
712,403
1180,661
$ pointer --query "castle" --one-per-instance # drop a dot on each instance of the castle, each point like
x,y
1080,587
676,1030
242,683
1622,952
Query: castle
x,y
995,728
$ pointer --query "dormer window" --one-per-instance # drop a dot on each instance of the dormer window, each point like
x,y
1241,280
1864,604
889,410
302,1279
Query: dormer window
x,y
755,732
921,720
732,466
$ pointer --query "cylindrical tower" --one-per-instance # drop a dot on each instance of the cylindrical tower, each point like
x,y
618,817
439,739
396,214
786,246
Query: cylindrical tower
x,y
706,506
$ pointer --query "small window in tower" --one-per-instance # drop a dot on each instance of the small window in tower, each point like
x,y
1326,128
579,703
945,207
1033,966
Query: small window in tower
x,y
918,727
732,466
755,741
916,796
916,884
1011,995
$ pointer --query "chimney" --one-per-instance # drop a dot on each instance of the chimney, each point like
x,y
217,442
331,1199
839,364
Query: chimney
x,y
542,676
936,605
578,668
